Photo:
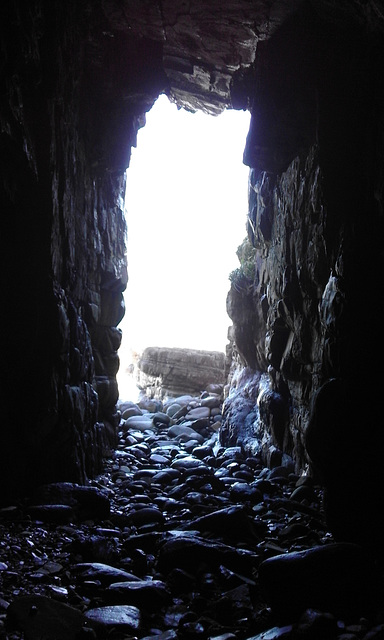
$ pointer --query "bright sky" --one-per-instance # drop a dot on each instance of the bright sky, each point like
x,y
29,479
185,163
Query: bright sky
x,y
186,209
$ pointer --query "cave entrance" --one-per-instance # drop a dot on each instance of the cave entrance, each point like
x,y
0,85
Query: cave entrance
x,y
186,211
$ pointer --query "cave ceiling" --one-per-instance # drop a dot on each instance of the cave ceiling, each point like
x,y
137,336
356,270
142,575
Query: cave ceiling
x,y
205,43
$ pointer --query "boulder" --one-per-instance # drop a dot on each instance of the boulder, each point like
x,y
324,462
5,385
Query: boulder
x,y
338,578
177,372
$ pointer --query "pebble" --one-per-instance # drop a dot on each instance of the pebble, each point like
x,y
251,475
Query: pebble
x,y
142,423
43,617
185,433
345,585
182,539
147,594
198,413
120,617
101,572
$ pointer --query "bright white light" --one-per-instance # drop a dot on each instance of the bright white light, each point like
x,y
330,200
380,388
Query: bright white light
x,y
186,208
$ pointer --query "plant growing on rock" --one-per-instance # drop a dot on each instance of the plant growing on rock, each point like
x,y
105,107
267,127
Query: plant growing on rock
x,y
242,277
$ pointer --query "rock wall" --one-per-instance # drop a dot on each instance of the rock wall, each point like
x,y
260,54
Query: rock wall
x,y
165,372
277,315
71,107
306,322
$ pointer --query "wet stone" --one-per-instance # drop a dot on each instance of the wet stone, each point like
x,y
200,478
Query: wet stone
x,y
121,617
146,516
147,594
244,492
41,617
102,572
185,433
55,513
161,418
179,538
187,463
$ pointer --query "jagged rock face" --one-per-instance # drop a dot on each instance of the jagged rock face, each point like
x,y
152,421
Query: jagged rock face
x,y
204,43
175,372
307,323
72,102
277,320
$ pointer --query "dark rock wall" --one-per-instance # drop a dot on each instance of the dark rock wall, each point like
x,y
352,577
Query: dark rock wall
x,y
71,105
308,323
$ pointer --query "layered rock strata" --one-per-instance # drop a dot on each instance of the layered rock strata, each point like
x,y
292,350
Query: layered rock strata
x,y
171,372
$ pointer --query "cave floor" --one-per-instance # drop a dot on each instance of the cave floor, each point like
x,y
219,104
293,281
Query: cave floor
x,y
176,554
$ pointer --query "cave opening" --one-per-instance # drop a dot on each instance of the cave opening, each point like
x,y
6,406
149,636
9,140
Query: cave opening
x,y
186,211
262,516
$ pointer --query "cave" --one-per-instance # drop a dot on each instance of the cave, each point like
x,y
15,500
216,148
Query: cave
x,y
307,304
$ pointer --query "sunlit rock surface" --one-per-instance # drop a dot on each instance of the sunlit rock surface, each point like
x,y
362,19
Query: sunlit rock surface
x,y
173,372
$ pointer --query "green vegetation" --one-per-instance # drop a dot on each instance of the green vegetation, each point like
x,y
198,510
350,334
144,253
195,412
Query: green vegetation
x,y
242,277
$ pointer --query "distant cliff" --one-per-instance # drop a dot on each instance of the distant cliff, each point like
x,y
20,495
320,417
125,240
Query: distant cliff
x,y
171,372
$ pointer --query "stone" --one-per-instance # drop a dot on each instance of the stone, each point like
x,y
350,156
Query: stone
x,y
190,553
317,624
213,402
86,502
345,581
146,516
303,493
244,492
95,548
231,523
42,617
201,425
214,388
275,633
102,572
202,451
185,432
147,594
159,459
173,409
183,548
166,476
187,463
198,413
130,412
55,513
120,617
161,418
139,423
182,401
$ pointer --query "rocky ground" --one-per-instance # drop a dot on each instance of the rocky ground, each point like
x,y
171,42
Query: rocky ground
x,y
181,538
